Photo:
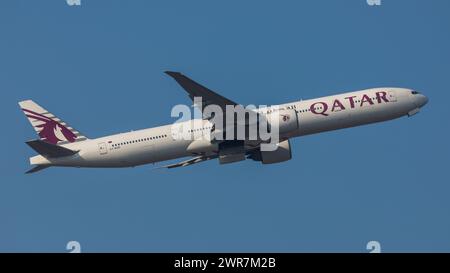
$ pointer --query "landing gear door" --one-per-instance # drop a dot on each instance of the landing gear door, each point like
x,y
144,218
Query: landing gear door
x,y
102,148
392,96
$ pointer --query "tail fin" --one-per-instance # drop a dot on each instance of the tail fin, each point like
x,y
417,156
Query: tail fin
x,y
49,128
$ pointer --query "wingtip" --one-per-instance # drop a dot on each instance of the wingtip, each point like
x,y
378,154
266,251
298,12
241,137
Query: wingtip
x,y
172,73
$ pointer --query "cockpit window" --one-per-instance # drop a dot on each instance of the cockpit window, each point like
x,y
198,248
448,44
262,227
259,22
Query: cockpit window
x,y
414,92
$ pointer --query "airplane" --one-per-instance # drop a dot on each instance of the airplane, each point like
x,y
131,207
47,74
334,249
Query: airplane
x,y
60,145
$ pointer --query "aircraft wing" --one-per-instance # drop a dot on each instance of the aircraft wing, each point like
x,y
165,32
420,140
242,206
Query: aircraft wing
x,y
195,89
209,97
191,161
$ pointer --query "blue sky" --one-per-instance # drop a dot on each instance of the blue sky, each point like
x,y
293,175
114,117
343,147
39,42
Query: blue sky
x,y
100,67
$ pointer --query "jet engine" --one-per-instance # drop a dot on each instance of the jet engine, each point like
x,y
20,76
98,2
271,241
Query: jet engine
x,y
281,154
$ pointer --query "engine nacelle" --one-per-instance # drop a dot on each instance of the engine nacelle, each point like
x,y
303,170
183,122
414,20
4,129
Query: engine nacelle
x,y
231,152
281,154
287,121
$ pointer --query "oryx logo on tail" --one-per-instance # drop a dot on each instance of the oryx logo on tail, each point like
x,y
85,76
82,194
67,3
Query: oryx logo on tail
x,y
49,130
47,126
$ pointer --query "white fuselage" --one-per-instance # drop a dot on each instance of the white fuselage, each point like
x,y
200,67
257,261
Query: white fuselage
x,y
314,116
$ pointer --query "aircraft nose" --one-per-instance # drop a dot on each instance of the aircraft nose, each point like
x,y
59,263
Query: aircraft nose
x,y
421,100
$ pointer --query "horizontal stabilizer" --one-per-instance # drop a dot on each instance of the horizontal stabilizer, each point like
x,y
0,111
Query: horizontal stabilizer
x,y
49,150
38,168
